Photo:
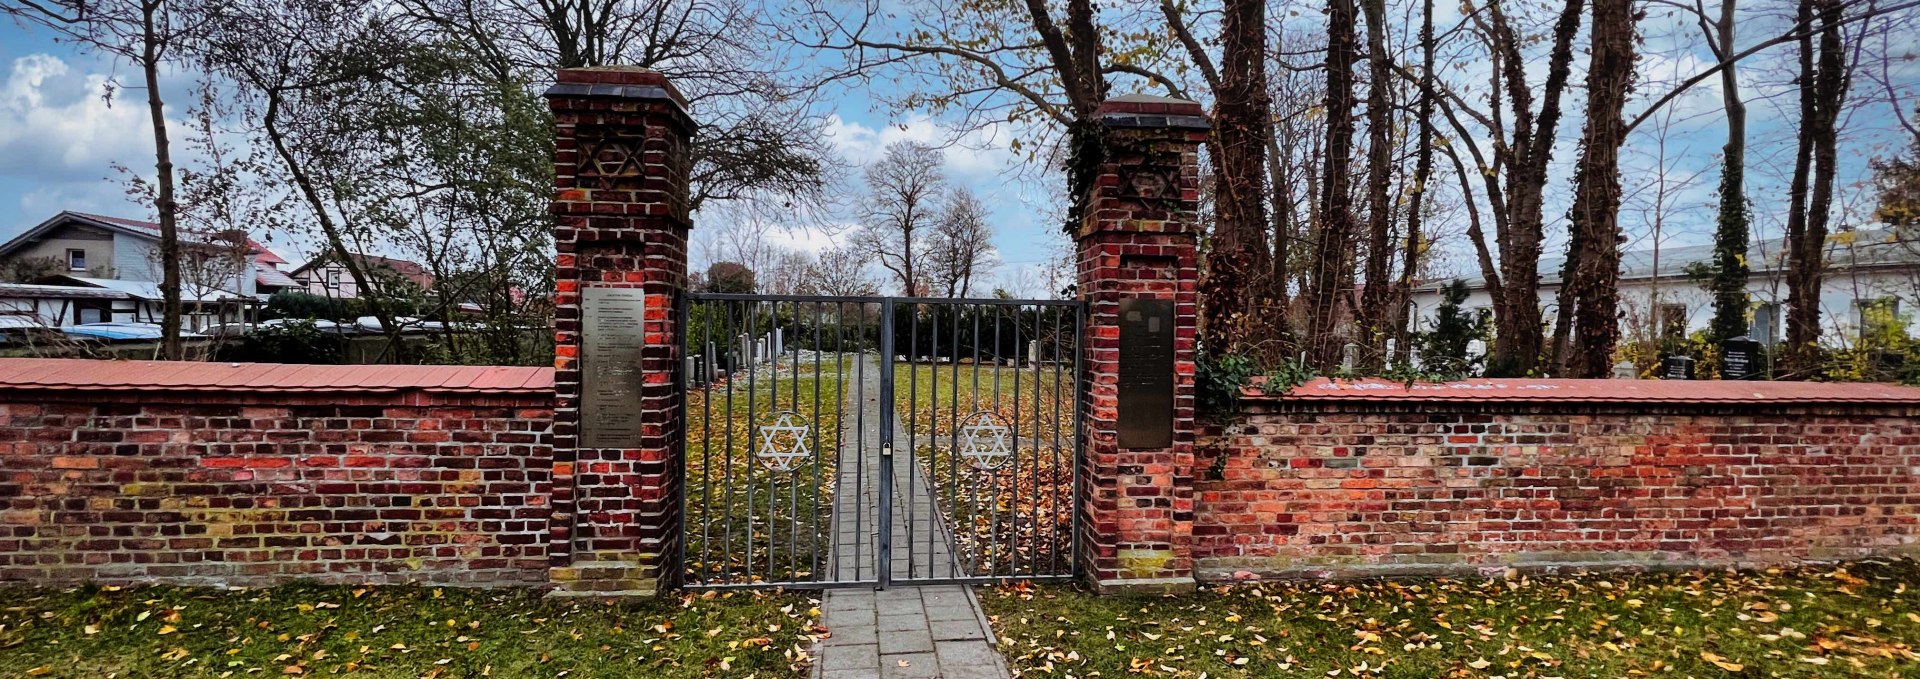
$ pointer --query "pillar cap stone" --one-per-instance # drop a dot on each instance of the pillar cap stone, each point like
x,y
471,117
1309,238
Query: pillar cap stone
x,y
615,82
1146,110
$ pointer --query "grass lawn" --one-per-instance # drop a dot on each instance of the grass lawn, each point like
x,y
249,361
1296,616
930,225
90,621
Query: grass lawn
x,y
1861,620
311,630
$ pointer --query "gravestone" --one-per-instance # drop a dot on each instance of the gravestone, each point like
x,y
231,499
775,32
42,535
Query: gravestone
x,y
1676,367
1740,359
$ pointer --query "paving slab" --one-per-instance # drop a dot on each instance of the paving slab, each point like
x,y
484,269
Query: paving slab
x,y
936,631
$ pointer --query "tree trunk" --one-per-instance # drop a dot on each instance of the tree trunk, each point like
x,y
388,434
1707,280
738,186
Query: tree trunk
x,y
1333,249
1590,289
1731,235
1517,332
1422,173
336,241
164,203
1237,257
1375,308
1823,90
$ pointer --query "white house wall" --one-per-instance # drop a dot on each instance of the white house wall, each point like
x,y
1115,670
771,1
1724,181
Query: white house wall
x,y
1838,293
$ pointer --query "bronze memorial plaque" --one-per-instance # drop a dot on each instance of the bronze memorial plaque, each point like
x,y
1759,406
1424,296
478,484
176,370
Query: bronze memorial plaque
x,y
1146,373
612,332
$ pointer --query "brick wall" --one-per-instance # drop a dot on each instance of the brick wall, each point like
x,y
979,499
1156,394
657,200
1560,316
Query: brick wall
x,y
1394,485
409,477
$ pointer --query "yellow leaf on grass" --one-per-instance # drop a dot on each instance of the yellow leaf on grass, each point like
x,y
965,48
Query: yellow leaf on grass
x,y
1722,663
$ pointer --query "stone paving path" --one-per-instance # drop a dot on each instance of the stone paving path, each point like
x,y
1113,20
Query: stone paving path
x,y
904,631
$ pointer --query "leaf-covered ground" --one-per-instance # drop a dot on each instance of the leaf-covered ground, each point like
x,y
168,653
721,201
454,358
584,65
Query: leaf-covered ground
x,y
310,630
1861,620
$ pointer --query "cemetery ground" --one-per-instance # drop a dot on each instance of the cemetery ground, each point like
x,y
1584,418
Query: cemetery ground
x,y
1856,620
398,631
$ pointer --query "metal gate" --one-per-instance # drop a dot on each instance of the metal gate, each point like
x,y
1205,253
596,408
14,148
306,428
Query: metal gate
x,y
849,441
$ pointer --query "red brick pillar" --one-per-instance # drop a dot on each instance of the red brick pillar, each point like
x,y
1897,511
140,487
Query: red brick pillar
x,y
620,212
1138,240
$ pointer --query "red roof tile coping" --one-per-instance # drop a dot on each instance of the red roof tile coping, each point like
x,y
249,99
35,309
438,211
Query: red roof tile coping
x,y
1150,105
1599,391
611,75
175,376
620,75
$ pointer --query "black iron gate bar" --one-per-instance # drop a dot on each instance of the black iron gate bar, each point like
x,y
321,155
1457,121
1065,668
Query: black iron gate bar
x,y
750,313
1062,563
717,559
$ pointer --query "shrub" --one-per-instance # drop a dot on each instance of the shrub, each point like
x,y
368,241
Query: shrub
x,y
295,341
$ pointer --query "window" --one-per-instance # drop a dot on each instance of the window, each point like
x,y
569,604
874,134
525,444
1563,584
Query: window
x,y
333,279
76,260
1673,321
1765,327
1877,317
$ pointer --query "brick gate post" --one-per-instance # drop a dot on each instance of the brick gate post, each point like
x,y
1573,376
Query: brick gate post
x,y
1138,240
620,222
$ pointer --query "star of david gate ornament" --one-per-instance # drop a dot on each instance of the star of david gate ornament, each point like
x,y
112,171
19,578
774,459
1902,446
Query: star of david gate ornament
x,y
984,441
868,442
783,444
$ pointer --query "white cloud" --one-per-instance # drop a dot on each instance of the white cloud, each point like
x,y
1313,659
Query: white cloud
x,y
55,125
974,155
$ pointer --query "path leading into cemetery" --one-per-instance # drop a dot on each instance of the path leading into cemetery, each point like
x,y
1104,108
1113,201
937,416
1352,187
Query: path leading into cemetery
x,y
903,631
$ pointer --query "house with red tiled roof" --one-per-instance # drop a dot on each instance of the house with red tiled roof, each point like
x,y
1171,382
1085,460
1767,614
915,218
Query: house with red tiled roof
x,y
326,276
221,274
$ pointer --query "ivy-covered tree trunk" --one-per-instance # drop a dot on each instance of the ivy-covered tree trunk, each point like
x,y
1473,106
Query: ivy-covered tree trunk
x,y
1823,90
1518,327
1375,305
1731,233
1589,324
1332,250
1237,256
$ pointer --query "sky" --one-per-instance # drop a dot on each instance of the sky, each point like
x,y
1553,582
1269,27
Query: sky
x,y
61,139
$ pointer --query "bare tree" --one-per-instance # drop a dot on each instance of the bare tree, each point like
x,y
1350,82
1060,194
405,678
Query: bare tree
x,y
1824,81
325,75
984,64
840,272
903,189
960,248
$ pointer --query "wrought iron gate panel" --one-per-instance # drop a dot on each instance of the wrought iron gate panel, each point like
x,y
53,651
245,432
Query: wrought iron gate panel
x,y
849,441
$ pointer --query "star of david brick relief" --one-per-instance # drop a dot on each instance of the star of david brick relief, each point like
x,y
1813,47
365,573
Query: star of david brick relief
x,y
607,160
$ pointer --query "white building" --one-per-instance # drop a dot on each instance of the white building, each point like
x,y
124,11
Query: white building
x,y
1865,268
118,259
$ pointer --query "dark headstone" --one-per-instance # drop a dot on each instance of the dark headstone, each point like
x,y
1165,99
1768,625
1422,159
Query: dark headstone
x,y
1676,367
1740,359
